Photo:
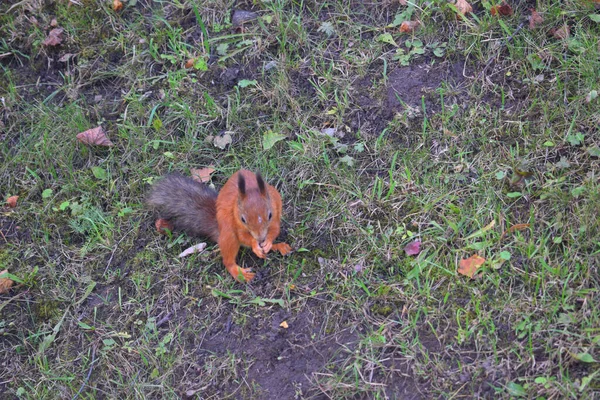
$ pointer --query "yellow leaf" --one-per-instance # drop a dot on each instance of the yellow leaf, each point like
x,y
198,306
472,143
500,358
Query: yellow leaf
x,y
463,7
5,283
469,266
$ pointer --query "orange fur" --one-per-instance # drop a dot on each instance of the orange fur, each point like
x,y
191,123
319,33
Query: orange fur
x,y
258,232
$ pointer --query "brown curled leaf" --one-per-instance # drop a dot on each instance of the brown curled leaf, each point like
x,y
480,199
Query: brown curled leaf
x,y
95,137
561,33
535,19
463,8
54,37
469,266
202,175
501,9
12,201
409,26
5,283
117,5
514,228
413,248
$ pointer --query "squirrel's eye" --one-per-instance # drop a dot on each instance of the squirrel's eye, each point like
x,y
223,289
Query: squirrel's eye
x,y
243,219
270,215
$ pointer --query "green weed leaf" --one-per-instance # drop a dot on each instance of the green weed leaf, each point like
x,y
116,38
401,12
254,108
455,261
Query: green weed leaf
x,y
245,83
157,124
405,15
594,151
83,325
327,28
349,161
439,52
536,61
585,357
514,389
200,64
270,138
576,139
222,49
387,38
99,173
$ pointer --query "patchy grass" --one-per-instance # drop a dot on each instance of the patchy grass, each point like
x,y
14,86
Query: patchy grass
x,y
453,135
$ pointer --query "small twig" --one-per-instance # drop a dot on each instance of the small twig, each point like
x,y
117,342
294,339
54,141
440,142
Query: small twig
x,y
164,319
507,41
114,251
87,378
16,296
565,81
3,237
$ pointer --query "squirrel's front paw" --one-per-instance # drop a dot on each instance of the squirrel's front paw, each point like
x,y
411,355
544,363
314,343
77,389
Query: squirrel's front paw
x,y
283,248
266,246
241,274
259,251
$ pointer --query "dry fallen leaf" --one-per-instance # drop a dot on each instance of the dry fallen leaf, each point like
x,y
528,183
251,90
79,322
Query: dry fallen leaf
x,y
516,227
469,266
222,141
501,9
117,5
483,230
53,23
162,225
12,201
95,136
463,7
197,248
66,57
5,283
284,325
409,26
449,133
202,175
535,19
413,248
190,63
562,32
54,38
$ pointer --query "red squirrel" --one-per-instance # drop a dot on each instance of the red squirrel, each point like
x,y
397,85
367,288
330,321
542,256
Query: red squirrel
x,y
246,212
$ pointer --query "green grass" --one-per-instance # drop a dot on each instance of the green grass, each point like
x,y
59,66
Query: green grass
x,y
104,307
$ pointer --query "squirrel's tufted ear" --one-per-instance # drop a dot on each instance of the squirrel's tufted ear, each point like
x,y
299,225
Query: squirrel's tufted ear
x,y
242,185
261,184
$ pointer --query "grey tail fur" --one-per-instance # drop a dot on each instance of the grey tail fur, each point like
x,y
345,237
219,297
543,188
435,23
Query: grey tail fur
x,y
190,206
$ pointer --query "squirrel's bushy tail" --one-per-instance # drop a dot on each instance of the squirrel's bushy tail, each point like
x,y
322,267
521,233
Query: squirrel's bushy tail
x,y
190,206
